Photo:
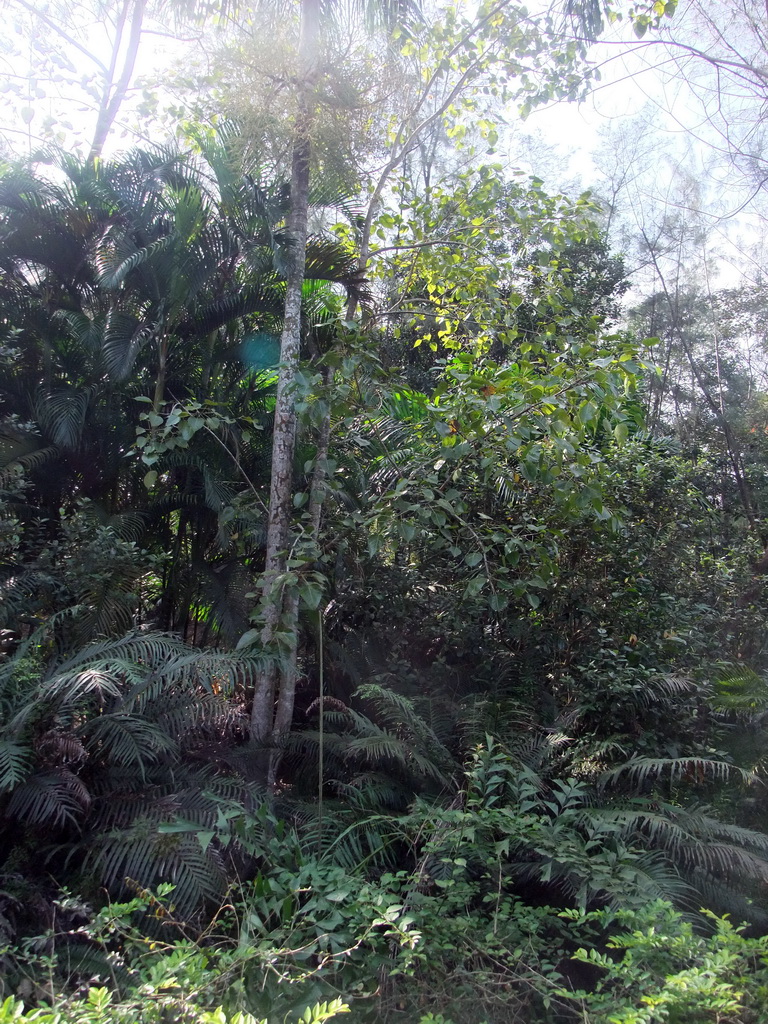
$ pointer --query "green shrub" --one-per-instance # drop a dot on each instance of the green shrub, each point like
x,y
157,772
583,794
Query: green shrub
x,y
148,1006
657,968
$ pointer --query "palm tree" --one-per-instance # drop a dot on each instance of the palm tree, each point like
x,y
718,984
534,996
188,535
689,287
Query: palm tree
x,y
140,278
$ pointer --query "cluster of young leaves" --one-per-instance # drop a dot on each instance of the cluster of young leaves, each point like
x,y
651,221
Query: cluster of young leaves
x,y
469,254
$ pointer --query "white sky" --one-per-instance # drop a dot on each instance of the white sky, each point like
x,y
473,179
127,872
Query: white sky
x,y
572,134
681,159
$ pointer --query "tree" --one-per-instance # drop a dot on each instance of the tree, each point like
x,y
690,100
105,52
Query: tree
x,y
701,67
89,54
457,58
270,722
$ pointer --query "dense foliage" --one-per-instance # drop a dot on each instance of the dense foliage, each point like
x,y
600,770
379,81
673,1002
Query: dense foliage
x,y
485,735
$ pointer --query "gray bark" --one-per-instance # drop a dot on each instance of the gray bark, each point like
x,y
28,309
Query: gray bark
x,y
115,92
284,439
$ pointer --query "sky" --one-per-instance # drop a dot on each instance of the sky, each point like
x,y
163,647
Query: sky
x,y
580,145
662,103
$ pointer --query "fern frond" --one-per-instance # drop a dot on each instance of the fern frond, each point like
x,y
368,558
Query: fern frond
x,y
370,791
381,745
53,798
15,763
640,771
149,856
127,739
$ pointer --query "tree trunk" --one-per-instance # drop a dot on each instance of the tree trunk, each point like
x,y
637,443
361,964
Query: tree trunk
x,y
320,472
289,666
283,444
114,92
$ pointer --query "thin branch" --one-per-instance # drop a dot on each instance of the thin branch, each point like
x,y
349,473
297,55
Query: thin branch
x,y
61,32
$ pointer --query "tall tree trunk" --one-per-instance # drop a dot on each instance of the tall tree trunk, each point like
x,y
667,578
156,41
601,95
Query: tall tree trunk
x,y
284,439
289,665
320,472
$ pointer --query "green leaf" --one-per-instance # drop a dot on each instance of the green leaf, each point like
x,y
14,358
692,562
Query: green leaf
x,y
205,839
251,636
310,594
474,586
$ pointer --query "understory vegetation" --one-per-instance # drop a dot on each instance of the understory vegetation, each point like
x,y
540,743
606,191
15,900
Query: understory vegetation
x,y
416,672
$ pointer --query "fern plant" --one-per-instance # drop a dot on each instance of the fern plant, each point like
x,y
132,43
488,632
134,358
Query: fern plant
x,y
584,842
115,754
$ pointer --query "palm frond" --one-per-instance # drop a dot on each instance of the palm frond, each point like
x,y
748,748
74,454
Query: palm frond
x,y
740,689
116,260
124,338
328,260
263,296
87,331
51,798
28,455
61,414
128,525
18,593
